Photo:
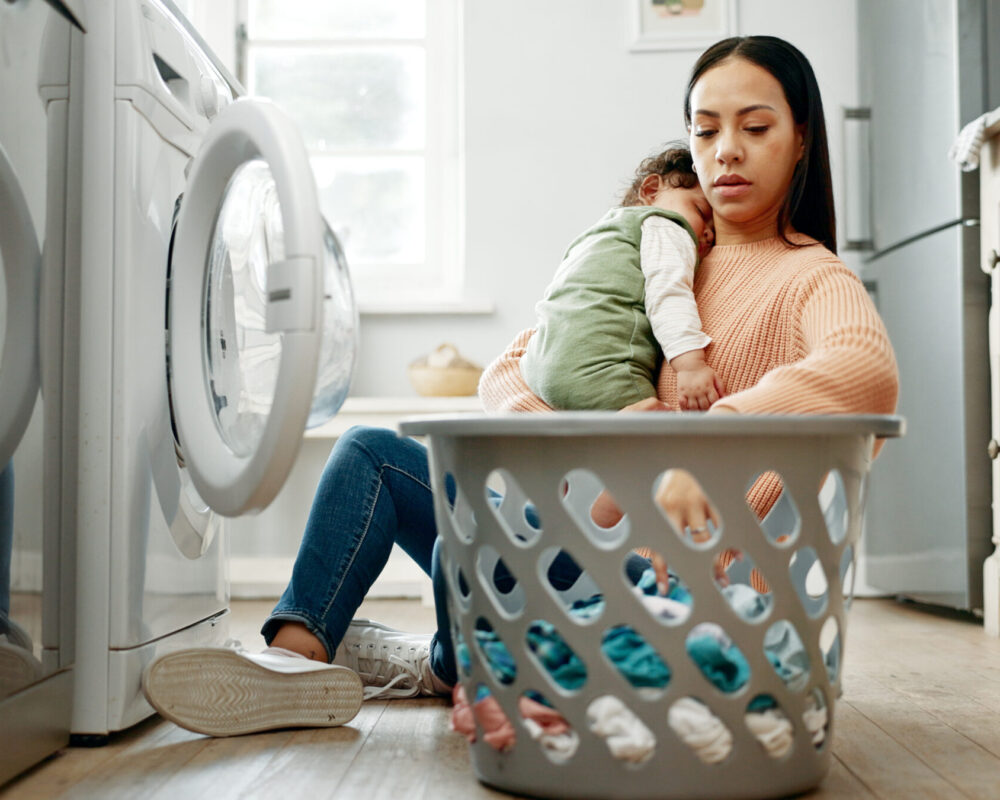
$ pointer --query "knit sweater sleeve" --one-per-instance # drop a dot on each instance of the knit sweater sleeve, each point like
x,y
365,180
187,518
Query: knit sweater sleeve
x,y
502,388
847,364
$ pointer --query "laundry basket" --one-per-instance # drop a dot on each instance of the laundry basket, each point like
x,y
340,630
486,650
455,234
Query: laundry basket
x,y
513,496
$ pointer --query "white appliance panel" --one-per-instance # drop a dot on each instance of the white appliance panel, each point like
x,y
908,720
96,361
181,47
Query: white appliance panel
x,y
36,652
152,571
928,513
909,78
165,562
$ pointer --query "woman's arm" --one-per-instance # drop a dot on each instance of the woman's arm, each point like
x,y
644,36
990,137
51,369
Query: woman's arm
x,y
848,365
502,388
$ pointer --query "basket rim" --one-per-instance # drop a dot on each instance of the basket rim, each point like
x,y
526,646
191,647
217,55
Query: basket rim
x,y
611,423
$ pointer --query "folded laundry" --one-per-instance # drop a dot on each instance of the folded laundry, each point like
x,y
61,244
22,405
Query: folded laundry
x,y
543,723
772,729
700,730
718,658
627,737
497,730
560,746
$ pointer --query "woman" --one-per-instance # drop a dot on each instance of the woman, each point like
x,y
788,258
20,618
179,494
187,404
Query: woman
x,y
793,332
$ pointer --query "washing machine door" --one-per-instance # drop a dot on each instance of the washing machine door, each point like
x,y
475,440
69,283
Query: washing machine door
x,y
19,323
245,301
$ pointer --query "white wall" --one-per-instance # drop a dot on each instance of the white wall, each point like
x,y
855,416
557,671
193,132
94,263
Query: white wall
x,y
558,113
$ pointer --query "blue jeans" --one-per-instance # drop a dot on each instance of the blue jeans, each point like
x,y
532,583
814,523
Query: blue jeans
x,y
375,492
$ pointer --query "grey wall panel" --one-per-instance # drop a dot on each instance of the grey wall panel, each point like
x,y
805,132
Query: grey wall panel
x,y
928,510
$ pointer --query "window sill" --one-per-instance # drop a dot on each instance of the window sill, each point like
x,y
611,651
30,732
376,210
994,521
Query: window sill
x,y
386,412
426,306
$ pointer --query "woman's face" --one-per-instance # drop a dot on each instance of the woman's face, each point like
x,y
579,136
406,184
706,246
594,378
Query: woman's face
x,y
745,145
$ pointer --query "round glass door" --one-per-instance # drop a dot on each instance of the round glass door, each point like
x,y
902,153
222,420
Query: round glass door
x,y
19,305
243,357
260,305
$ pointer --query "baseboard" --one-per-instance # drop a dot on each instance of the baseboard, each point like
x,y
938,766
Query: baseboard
x,y
254,578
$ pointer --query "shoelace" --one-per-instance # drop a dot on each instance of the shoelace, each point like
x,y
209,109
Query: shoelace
x,y
405,683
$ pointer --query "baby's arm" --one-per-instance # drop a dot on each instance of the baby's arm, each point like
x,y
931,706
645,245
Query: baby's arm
x,y
668,255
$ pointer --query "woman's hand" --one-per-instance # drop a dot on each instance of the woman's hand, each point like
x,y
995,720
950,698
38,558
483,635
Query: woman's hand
x,y
685,504
605,511
687,507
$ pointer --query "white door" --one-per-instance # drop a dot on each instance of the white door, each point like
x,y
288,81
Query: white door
x,y
19,329
246,307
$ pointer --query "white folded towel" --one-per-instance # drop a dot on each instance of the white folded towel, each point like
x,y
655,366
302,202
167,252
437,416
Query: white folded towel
x,y
627,737
965,149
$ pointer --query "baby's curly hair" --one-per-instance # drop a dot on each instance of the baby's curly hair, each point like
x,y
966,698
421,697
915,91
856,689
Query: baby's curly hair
x,y
675,164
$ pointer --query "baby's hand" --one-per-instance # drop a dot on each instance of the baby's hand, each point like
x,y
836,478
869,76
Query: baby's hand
x,y
697,384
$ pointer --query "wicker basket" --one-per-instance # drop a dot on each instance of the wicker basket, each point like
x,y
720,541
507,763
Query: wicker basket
x,y
557,464
444,373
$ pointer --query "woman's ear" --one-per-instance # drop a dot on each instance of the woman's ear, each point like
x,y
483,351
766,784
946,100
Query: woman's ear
x,y
801,130
649,188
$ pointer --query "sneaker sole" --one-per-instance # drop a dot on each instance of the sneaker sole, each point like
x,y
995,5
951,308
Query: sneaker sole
x,y
220,693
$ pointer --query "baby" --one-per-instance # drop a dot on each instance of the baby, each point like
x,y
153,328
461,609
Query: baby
x,y
623,294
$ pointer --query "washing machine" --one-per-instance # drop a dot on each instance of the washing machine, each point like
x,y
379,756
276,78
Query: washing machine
x,y
35,661
36,554
215,321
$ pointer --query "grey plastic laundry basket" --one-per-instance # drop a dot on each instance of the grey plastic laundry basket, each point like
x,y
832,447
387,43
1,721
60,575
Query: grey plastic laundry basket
x,y
556,464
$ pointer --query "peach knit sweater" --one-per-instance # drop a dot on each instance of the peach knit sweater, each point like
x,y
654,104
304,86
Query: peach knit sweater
x,y
793,332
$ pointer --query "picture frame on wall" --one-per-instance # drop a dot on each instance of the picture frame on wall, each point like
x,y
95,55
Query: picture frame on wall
x,y
680,24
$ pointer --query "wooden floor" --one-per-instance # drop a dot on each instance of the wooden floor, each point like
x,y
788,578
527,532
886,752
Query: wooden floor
x,y
920,718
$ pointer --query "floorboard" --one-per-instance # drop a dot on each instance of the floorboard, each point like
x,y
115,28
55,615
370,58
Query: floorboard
x,y
918,719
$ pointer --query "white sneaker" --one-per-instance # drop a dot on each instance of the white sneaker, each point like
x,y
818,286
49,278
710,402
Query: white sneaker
x,y
225,692
391,663
18,636
18,666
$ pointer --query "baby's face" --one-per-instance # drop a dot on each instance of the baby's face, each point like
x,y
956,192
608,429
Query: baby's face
x,y
693,206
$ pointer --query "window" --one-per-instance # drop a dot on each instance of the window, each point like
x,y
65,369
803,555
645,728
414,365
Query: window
x,y
373,87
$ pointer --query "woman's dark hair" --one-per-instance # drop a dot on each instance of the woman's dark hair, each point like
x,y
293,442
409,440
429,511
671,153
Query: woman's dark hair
x,y
808,206
674,164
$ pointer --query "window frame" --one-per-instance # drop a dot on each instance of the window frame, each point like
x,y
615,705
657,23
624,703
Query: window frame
x,y
438,285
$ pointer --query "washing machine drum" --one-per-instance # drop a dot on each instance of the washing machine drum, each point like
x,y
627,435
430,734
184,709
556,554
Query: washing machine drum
x,y
263,325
